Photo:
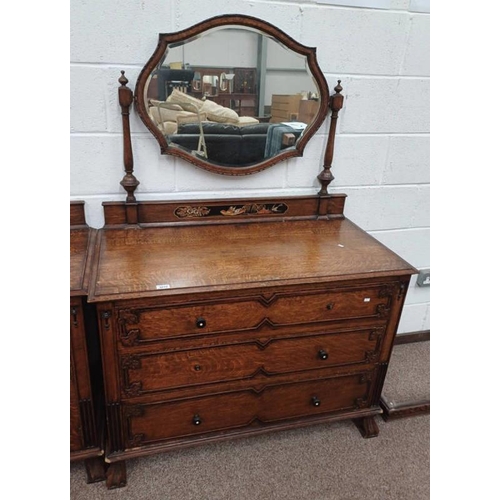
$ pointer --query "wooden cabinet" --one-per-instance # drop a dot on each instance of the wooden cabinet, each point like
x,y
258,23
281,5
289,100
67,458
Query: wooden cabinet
x,y
213,330
308,109
86,412
285,108
240,94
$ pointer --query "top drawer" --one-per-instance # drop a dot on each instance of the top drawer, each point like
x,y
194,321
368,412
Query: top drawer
x,y
154,323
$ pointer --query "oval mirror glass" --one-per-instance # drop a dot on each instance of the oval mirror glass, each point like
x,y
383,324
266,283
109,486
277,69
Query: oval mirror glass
x,y
233,95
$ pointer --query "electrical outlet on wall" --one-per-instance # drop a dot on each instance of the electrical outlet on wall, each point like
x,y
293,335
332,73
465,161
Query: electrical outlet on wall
x,y
424,277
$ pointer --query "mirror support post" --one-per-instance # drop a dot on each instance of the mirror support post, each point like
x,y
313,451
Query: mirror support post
x,y
129,181
335,103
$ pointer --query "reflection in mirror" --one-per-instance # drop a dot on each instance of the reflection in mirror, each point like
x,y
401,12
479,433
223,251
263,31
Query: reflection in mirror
x,y
232,95
210,86
196,84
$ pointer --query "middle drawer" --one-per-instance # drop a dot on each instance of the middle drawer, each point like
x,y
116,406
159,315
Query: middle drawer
x,y
161,371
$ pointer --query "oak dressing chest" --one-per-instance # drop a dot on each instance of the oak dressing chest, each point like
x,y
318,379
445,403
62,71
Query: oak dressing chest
x,y
231,317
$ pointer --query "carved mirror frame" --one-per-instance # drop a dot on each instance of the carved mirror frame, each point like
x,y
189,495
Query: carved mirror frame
x,y
215,22
126,97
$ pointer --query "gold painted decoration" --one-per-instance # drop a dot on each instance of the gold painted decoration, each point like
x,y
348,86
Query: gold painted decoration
x,y
231,210
190,212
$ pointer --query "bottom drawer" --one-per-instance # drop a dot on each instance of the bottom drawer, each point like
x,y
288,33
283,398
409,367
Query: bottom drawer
x,y
154,422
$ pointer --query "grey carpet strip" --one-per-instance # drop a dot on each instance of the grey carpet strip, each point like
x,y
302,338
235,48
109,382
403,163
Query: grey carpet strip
x,y
408,376
321,462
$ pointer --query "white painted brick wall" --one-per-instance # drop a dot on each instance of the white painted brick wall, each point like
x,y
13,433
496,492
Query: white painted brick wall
x,y
408,160
382,149
357,41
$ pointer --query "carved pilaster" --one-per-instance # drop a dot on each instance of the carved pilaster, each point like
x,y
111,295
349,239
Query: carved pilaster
x,y
113,411
88,422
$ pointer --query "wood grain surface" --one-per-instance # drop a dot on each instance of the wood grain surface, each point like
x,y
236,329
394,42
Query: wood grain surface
x,y
243,314
157,371
77,213
79,244
157,422
135,263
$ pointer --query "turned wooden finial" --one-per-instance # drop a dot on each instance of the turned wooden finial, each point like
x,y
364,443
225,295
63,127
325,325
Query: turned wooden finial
x,y
335,103
129,181
123,79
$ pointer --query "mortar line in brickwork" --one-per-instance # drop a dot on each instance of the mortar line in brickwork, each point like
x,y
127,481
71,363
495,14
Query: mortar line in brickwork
x,y
180,195
389,134
331,74
405,45
369,76
387,156
110,65
383,186
322,6
398,229
105,133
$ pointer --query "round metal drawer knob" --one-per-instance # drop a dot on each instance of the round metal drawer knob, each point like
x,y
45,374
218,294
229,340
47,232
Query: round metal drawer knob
x,y
322,354
201,323
329,306
315,401
196,420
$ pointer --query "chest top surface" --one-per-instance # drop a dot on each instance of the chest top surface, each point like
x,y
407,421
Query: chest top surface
x,y
135,263
80,247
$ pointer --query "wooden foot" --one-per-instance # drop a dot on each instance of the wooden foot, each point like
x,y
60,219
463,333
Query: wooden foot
x,y
116,475
96,470
367,426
